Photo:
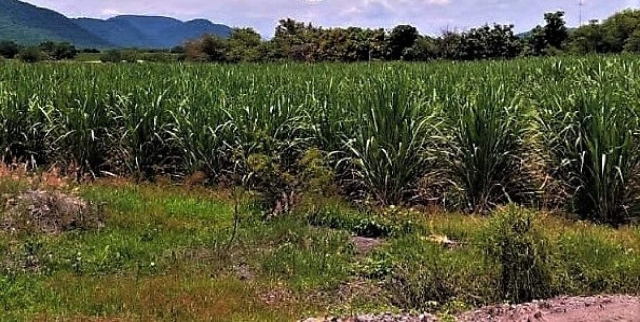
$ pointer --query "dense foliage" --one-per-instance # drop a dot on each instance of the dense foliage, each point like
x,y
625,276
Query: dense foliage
x,y
466,135
48,50
295,40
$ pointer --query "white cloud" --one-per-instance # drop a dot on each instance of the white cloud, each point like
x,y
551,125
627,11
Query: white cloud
x,y
110,12
439,2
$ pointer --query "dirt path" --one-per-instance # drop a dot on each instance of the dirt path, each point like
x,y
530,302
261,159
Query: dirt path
x,y
618,308
564,309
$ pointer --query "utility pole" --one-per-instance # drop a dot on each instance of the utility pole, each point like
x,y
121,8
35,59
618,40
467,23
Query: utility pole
x,y
581,4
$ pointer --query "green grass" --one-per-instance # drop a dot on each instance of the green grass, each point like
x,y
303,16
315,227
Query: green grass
x,y
163,255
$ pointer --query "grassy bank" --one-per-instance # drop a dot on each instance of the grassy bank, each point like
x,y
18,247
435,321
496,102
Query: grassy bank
x,y
166,253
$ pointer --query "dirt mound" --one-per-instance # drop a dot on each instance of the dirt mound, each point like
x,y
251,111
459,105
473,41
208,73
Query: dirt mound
x,y
39,211
563,309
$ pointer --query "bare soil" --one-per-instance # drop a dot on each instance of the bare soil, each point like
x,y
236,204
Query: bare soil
x,y
365,245
48,212
615,308
563,309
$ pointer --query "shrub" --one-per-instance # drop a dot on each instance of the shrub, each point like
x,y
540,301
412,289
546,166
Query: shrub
x,y
58,51
280,187
427,276
30,55
9,49
521,251
111,56
363,224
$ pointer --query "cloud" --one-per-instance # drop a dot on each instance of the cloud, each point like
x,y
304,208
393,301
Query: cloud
x,y
110,12
439,2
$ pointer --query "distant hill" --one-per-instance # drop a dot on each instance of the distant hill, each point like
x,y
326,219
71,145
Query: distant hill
x,y
27,24
150,31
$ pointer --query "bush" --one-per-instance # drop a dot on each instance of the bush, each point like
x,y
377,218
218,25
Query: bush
x,y
111,56
58,51
9,49
91,51
427,276
521,251
159,57
280,186
369,225
30,55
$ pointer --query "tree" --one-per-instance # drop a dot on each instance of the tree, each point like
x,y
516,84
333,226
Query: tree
x,y
244,45
58,51
209,48
489,42
555,30
401,38
536,42
214,48
588,39
64,50
633,43
449,45
293,38
47,47
91,51
619,28
9,49
424,49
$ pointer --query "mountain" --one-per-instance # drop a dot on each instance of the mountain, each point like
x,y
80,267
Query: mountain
x,y
119,34
27,24
150,31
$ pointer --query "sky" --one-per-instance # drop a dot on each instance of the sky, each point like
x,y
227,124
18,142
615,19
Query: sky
x,y
430,16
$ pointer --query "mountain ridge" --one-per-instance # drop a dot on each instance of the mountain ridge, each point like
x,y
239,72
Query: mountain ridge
x,y
28,24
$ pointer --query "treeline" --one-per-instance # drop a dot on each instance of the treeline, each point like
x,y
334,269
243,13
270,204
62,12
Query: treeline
x,y
298,41
47,50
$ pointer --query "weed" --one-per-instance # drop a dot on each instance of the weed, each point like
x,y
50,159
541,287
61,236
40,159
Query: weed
x,y
515,242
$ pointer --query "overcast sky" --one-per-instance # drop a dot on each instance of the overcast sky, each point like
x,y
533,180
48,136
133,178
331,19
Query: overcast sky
x,y
430,16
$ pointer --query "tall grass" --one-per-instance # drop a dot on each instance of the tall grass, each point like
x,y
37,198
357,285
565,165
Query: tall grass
x,y
387,120
389,145
485,150
592,132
